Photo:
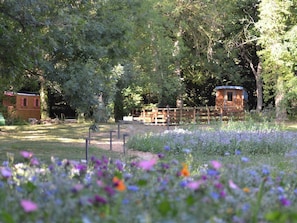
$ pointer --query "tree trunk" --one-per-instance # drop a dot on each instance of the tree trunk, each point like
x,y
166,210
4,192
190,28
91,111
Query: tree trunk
x,y
259,87
44,111
176,54
280,107
259,82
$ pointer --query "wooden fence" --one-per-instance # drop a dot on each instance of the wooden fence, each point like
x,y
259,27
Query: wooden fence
x,y
189,115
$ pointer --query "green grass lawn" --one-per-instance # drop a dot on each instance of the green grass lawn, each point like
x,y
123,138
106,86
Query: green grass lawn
x,y
67,141
64,141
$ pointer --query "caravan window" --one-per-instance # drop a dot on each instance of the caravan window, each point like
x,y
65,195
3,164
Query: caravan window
x,y
229,96
24,102
36,102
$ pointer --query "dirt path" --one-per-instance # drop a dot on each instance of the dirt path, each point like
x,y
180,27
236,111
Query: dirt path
x,y
118,138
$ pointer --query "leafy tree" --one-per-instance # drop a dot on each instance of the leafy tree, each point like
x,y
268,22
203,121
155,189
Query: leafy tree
x,y
67,46
206,62
152,47
277,26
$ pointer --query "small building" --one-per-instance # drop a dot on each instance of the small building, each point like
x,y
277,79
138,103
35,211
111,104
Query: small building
x,y
231,99
22,105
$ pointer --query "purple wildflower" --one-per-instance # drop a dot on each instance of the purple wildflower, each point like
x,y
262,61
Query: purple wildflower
x,y
222,193
96,200
165,166
109,190
119,165
6,172
284,201
219,186
82,168
161,156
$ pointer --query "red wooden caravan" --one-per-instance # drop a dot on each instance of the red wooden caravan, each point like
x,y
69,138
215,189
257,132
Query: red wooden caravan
x,y
22,105
231,98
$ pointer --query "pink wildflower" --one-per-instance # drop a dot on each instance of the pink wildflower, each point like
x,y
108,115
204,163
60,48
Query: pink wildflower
x,y
216,164
34,162
147,164
232,185
29,206
194,185
26,154
77,187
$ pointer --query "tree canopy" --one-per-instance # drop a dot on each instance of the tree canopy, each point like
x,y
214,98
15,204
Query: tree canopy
x,y
106,58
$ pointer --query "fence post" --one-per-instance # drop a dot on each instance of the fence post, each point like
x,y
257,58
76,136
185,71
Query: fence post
x,y
124,142
168,117
87,148
94,128
110,139
119,133
89,135
208,115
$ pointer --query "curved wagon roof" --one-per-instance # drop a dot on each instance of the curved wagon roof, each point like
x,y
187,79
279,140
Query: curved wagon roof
x,y
229,88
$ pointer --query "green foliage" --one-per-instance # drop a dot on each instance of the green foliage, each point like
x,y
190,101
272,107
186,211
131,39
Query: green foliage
x,y
278,51
167,50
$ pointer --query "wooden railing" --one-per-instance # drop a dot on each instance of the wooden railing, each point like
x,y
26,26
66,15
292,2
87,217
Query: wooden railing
x,y
189,115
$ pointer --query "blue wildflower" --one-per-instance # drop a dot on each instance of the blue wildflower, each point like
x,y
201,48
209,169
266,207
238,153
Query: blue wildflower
x,y
265,171
132,188
237,152
246,207
280,190
244,159
187,151
125,201
166,148
212,172
5,163
215,195
19,189
183,183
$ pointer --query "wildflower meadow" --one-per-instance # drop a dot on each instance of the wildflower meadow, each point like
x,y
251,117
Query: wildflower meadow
x,y
206,175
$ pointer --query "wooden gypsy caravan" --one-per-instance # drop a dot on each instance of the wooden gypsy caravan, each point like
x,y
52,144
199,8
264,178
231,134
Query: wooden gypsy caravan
x,y
231,100
25,106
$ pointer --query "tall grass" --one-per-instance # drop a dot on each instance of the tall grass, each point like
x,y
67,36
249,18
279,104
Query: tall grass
x,y
258,141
